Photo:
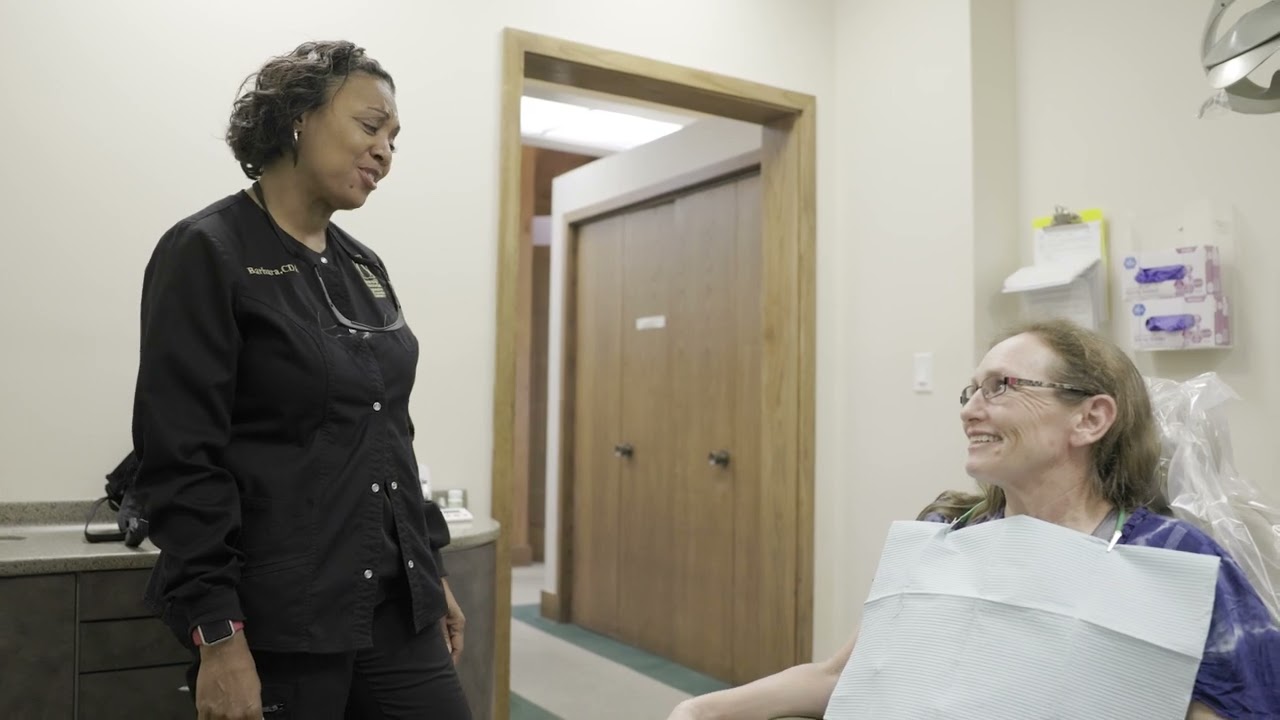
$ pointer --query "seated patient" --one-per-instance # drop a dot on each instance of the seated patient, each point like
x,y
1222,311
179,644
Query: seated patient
x,y
1060,428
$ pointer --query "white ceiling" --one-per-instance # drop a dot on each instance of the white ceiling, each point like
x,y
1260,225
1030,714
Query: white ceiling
x,y
563,118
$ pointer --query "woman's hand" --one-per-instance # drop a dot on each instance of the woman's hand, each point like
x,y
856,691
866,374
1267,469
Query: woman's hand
x,y
686,710
453,624
227,686
1200,711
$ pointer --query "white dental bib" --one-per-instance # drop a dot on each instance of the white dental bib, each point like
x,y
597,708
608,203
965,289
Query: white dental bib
x,y
1022,619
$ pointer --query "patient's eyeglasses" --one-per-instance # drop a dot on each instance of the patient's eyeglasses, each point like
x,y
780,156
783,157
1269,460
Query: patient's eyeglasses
x,y
994,387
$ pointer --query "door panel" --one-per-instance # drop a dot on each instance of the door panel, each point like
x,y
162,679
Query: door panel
x,y
650,422
767,647
687,537
704,374
597,401
538,401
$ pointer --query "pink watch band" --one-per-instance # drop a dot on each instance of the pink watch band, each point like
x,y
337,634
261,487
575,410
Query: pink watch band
x,y
236,626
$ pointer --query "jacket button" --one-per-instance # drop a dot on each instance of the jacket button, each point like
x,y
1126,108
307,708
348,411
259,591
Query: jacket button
x,y
410,564
368,574
377,406
374,487
395,485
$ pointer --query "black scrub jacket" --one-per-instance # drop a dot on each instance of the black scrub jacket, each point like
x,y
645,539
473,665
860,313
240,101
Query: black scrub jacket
x,y
277,466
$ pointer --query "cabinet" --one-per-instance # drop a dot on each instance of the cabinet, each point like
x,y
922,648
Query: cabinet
x,y
83,646
129,664
471,573
38,639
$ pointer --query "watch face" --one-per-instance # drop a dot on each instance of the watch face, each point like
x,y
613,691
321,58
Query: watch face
x,y
211,633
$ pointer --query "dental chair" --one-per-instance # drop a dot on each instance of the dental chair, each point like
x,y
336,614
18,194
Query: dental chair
x,y
1201,485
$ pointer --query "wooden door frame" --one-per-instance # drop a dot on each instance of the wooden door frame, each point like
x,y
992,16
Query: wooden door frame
x,y
788,278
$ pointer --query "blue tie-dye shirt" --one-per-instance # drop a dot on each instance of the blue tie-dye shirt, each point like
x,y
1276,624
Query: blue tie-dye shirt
x,y
1239,676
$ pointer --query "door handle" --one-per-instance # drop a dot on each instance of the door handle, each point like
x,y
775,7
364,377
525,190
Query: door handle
x,y
719,457
624,450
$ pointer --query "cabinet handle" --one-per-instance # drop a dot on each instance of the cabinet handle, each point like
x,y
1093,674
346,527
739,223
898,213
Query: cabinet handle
x,y
624,450
719,457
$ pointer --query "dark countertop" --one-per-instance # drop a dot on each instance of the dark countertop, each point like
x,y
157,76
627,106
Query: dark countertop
x,y
46,538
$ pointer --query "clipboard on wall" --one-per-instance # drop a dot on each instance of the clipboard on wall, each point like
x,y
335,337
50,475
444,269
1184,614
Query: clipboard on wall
x,y
1066,236
1069,236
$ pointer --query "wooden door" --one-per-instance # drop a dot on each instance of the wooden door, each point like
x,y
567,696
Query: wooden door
x,y
538,345
597,426
539,167
685,294
704,380
763,603
648,533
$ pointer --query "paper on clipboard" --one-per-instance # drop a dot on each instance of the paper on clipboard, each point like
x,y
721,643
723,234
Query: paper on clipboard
x,y
1069,242
1083,235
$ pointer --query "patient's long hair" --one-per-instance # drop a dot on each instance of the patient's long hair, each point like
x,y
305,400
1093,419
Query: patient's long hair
x,y
1126,460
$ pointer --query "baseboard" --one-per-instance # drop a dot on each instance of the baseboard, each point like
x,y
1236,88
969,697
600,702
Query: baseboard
x,y
551,608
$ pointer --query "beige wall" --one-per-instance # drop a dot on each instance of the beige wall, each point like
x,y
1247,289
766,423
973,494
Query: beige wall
x,y
995,167
905,221
1115,127
957,124
926,187
112,130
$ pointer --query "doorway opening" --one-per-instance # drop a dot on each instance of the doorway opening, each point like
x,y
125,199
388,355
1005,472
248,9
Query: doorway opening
x,y
783,434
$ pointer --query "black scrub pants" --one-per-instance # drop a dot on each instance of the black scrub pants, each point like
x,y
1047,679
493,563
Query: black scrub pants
x,y
404,676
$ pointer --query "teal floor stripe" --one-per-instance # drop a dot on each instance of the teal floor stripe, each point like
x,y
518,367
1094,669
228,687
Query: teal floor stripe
x,y
660,669
522,709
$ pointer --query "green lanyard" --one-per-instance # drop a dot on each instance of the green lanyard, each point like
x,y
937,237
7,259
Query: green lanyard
x,y
960,521
1115,538
1119,530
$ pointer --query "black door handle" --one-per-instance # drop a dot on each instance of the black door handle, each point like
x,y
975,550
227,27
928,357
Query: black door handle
x,y
624,450
719,457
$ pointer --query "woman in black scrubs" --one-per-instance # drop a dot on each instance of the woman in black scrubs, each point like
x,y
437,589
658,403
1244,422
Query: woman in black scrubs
x,y
271,418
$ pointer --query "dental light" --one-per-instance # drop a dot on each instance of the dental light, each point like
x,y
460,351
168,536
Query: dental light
x,y
1228,60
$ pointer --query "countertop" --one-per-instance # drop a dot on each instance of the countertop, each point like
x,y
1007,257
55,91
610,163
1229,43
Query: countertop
x,y
45,538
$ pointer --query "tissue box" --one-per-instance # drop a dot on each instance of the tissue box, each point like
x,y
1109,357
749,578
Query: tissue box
x,y
1183,323
1174,272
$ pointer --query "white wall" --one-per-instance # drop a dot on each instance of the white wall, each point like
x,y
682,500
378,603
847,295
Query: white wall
x,y
703,151
1115,127
114,113
995,167
959,123
905,223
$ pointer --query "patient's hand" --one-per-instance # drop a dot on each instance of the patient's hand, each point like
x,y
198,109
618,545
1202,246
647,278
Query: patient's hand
x,y
685,711
1200,711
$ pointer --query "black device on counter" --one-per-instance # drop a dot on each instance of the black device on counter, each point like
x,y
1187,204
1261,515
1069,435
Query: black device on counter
x,y
124,502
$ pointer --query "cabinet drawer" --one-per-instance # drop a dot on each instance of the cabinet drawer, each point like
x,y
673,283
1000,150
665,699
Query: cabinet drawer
x,y
125,644
113,595
37,647
153,693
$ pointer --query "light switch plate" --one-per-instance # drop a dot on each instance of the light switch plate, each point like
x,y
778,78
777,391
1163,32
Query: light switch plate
x,y
923,377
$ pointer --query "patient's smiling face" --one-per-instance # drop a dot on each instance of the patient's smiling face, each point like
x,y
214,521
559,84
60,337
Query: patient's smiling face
x,y
1023,431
